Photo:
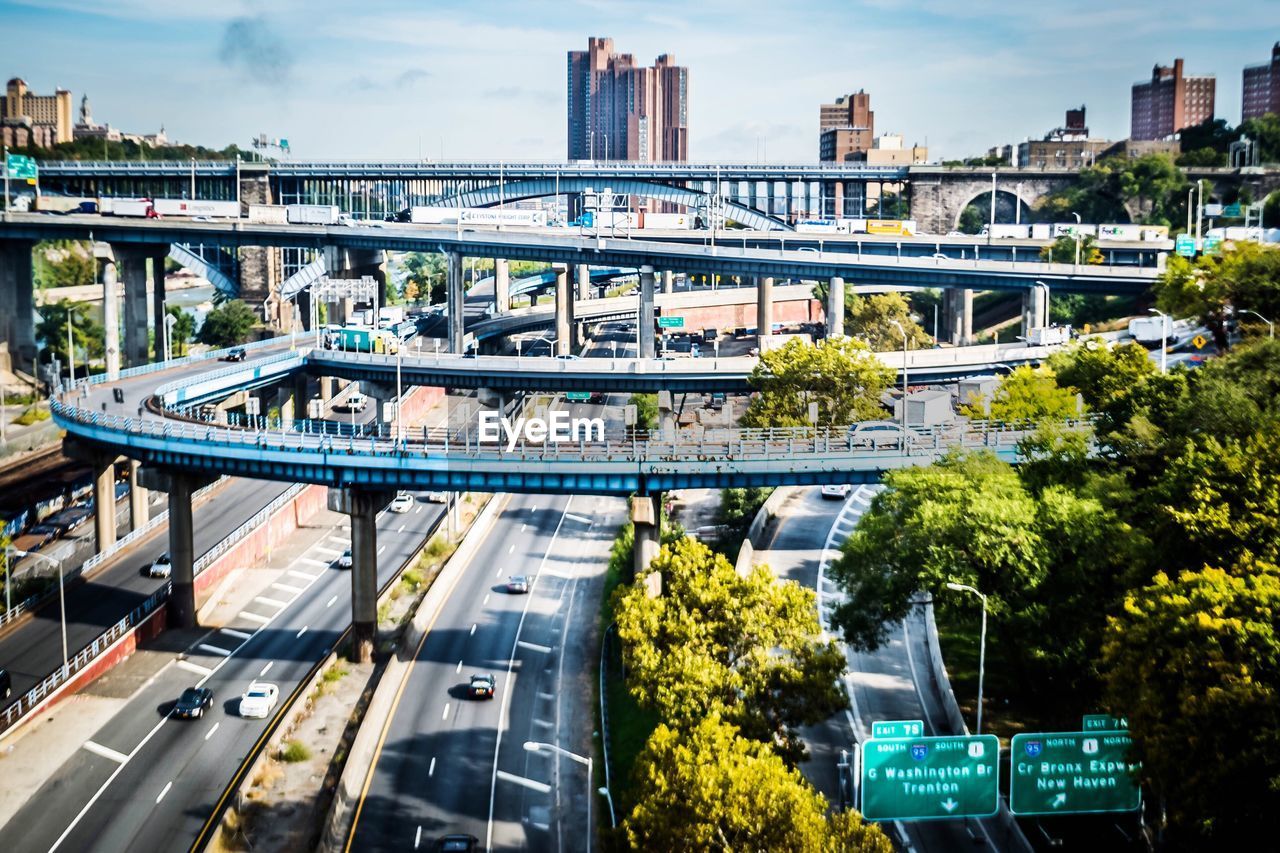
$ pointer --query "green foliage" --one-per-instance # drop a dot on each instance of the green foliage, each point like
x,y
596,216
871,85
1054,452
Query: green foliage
x,y
1102,373
1025,394
1202,157
842,376
748,648
706,788
871,318
971,220
184,329
738,507
32,415
646,410
1195,663
1063,251
1151,185
1245,276
426,273
295,751
63,263
228,324
86,332
101,149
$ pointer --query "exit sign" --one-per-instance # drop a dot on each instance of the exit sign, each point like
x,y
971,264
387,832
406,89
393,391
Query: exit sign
x,y
895,728
671,322
578,396
1072,773
930,778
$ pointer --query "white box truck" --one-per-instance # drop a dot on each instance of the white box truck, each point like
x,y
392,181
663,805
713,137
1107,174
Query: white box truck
x,y
1042,231
312,214
1048,335
1150,330
926,408
139,207
670,221
270,214
197,207
434,215
1006,232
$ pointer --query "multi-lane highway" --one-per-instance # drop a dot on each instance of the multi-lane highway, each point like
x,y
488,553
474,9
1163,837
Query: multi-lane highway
x,y
146,781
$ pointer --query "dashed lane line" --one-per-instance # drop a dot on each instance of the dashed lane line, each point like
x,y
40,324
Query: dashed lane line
x,y
105,752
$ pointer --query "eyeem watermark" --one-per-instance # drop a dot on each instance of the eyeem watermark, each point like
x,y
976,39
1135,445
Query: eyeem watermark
x,y
558,428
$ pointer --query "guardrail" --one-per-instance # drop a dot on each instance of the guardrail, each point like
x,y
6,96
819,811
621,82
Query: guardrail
x,y
259,518
36,695
157,366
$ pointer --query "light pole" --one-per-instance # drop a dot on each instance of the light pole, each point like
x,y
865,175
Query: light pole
x,y
1271,327
537,746
1038,319
991,230
62,601
982,648
902,329
1077,265
399,392
71,353
1164,336
169,322
1191,191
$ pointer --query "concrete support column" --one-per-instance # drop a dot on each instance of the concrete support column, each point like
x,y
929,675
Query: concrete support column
x,y
104,502
157,301
835,307
564,311
363,507
646,518
182,552
17,310
958,306
583,275
501,285
764,309
111,319
668,281
139,509
645,324
455,301
326,389
134,272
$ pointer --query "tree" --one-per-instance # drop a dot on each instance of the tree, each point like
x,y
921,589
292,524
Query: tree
x,y
1063,251
427,272
646,410
1101,372
1265,131
182,331
228,324
709,789
1151,186
1247,275
842,376
871,318
1026,394
86,332
1194,662
64,263
715,642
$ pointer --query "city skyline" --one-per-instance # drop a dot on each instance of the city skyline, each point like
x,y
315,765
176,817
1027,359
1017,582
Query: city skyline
x,y
399,82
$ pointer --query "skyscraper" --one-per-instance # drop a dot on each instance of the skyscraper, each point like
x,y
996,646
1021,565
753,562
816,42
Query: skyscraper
x,y
846,127
620,111
1262,87
1169,102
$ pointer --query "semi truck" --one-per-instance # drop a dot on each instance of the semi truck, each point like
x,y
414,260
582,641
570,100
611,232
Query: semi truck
x,y
312,214
134,207
503,216
361,339
271,214
197,207
669,221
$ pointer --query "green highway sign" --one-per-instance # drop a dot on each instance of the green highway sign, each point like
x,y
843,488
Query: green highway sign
x,y
1185,245
930,778
1072,773
1212,245
1231,210
1103,723
21,167
671,322
578,396
897,728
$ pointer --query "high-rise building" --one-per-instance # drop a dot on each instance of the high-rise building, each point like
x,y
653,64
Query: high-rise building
x,y
620,111
1169,102
39,120
847,126
1262,87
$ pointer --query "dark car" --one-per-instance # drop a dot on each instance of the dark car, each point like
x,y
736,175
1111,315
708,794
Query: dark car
x,y
457,843
237,354
193,702
6,684
481,687
117,394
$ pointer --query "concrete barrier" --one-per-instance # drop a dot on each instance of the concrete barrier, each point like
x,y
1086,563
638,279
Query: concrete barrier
x,y
761,526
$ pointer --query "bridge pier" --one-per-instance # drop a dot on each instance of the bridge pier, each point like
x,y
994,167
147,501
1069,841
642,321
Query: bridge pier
x,y
17,310
139,509
668,281
501,285
564,311
646,519
1035,310
454,301
180,486
362,506
764,310
644,326
583,291
158,298
958,310
133,273
835,307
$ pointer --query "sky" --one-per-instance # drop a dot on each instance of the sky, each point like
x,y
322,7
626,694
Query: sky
x,y
485,80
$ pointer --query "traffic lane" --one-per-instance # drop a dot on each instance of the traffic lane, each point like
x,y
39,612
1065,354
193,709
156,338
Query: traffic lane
x,y
435,766
33,649
124,812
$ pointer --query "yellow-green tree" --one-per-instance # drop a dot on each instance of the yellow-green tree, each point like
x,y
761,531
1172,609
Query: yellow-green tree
x,y
872,319
707,788
1025,394
842,376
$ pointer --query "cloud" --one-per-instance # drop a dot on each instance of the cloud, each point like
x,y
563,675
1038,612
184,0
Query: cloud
x,y
253,46
408,78
519,93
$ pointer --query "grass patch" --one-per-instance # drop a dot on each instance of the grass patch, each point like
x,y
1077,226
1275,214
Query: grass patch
x,y
334,673
412,579
32,415
295,751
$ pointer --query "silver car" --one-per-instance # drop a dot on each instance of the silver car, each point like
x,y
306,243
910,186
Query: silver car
x,y
877,434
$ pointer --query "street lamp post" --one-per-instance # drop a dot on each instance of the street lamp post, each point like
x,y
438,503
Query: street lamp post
x,y
71,353
1164,337
1271,327
537,746
1040,283
902,329
982,648
62,601
399,392
1077,264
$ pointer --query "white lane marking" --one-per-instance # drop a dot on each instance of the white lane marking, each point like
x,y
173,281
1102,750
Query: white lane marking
x,y
459,669
293,589
380,550
540,787
486,600
546,723
243,635
431,770
195,667
499,572
511,663
546,696
266,668
331,601
417,836
212,730
577,518
217,650
445,715
400,529
310,562
323,550
473,629
417,509
254,617
105,752
340,540
523,527
271,602
164,791
511,550
534,647
300,633
535,508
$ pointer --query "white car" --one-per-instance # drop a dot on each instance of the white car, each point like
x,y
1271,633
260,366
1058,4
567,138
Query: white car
x,y
837,492
344,562
403,502
357,402
260,699
876,434
162,567
437,497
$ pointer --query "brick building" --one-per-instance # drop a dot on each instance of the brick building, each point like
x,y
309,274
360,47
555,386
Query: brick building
x,y
1170,101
